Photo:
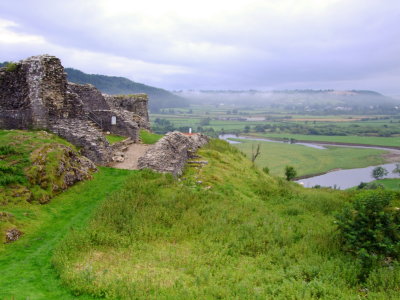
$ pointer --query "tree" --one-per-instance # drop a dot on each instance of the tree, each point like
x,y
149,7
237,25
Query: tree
x,y
246,129
290,173
379,172
205,121
266,170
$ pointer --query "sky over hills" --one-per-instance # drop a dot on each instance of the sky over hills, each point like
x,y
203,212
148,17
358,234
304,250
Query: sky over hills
x,y
215,44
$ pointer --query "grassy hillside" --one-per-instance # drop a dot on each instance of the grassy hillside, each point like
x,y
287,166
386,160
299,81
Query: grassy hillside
x,y
224,231
113,85
26,269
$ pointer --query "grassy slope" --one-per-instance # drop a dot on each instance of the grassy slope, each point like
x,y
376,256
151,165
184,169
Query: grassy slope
x,y
367,140
149,138
239,234
15,163
26,270
308,160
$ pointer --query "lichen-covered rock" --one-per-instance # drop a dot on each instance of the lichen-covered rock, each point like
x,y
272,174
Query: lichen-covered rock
x,y
169,154
54,168
12,235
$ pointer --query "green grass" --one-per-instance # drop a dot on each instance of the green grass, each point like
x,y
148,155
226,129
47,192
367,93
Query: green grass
x,y
26,269
148,137
113,138
390,183
29,162
224,231
366,140
308,160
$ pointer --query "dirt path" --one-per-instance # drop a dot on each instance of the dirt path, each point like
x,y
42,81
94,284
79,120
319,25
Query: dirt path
x,y
131,157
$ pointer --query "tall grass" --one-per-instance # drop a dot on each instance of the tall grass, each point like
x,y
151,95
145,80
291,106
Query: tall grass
x,y
224,231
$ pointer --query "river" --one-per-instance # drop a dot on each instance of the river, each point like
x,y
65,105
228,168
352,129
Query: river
x,y
341,179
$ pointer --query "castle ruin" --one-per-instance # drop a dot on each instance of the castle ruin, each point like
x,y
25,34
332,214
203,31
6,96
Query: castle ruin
x,y
35,94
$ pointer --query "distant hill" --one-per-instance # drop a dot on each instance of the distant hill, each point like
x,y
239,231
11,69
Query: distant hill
x,y
113,85
301,101
159,98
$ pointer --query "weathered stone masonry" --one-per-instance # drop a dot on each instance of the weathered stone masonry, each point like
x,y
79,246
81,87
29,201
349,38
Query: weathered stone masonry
x,y
35,94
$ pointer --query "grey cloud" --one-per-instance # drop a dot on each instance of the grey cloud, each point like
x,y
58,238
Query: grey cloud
x,y
355,43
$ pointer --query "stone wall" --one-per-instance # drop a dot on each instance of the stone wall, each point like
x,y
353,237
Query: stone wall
x,y
170,154
136,104
32,92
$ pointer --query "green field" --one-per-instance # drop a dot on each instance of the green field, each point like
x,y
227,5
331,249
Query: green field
x,y
26,268
366,140
390,183
308,160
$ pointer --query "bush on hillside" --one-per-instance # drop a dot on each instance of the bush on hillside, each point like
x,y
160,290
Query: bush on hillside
x,y
370,229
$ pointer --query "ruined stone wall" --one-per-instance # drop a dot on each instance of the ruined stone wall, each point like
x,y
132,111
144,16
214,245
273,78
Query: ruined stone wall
x,y
170,154
32,92
35,94
15,110
137,104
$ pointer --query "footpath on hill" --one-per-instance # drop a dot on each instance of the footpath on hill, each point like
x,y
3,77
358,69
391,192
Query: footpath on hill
x,y
26,269
132,155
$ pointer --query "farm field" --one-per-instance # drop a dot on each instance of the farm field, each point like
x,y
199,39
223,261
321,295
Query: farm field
x,y
367,140
308,160
215,120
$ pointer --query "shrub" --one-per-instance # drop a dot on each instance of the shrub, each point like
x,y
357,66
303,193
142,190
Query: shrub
x,y
266,170
290,173
11,67
370,229
379,172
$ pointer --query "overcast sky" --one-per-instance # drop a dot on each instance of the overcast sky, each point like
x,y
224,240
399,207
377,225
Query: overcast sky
x,y
214,44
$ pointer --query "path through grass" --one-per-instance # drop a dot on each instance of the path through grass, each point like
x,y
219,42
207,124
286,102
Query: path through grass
x,y
26,270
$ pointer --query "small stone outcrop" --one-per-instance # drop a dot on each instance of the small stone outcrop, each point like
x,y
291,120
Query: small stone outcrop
x,y
35,94
170,154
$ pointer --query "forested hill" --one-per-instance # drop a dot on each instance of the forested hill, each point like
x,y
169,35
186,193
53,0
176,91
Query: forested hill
x,y
159,98
113,85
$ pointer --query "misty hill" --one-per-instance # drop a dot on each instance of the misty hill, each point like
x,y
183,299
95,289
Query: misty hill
x,y
310,101
159,98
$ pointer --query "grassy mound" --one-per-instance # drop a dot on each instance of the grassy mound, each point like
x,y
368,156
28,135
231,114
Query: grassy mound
x,y
225,230
36,165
